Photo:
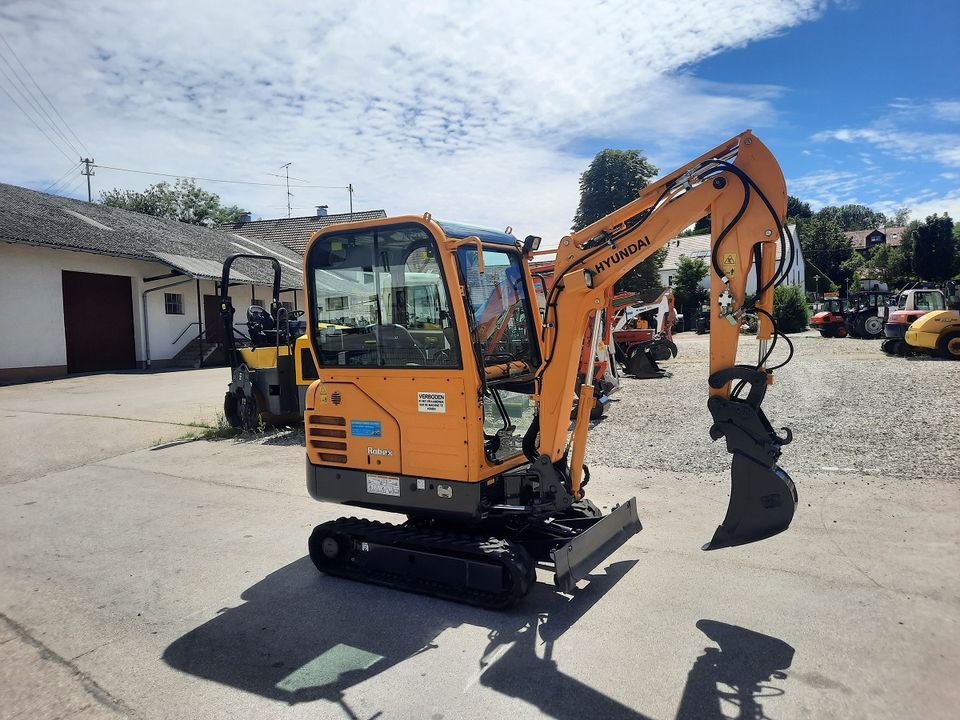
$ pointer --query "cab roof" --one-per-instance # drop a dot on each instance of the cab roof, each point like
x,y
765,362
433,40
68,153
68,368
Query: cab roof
x,y
487,235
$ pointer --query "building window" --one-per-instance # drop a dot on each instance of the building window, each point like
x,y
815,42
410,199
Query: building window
x,y
173,303
669,280
333,304
288,306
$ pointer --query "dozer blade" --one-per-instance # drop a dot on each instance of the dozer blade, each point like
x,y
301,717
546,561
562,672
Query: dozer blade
x,y
577,558
762,503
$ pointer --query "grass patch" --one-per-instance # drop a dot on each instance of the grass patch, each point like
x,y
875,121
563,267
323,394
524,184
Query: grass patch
x,y
220,430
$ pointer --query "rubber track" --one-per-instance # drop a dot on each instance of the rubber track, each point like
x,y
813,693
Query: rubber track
x,y
518,567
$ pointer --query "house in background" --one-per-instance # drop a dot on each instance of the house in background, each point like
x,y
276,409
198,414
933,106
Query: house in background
x,y
294,233
698,246
85,287
865,240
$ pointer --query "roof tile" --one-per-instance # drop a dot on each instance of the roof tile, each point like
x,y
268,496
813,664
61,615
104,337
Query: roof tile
x,y
36,218
294,233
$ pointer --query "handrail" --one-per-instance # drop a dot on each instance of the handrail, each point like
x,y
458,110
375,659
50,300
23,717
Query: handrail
x,y
195,322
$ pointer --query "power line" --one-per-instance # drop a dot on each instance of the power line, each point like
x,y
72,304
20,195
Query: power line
x,y
37,85
50,188
30,118
33,103
71,187
216,180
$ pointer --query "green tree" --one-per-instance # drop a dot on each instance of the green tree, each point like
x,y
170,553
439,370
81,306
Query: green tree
x,y
852,217
614,178
687,290
892,263
933,248
184,201
791,312
956,250
797,209
853,269
900,218
825,246
228,214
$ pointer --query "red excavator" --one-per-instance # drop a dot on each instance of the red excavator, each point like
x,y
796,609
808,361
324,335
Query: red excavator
x,y
643,332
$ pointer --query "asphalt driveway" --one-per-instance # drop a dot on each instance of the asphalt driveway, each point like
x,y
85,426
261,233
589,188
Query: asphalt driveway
x,y
59,424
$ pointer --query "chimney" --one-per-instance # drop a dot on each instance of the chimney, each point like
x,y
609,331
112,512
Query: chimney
x,y
321,210
245,218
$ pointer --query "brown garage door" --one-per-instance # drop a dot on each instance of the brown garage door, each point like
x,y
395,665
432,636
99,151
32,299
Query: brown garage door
x,y
98,322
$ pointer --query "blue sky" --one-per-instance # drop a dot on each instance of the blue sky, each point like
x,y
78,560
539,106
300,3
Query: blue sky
x,y
486,110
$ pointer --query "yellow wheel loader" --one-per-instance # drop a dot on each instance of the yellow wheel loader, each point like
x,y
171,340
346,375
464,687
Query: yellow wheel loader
x,y
445,398
936,333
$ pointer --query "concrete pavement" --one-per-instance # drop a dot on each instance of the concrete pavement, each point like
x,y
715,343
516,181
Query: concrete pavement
x,y
171,582
58,424
175,578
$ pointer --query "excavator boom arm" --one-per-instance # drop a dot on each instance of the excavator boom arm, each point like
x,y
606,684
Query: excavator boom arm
x,y
740,185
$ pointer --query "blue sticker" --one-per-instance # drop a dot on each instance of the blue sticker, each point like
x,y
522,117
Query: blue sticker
x,y
366,428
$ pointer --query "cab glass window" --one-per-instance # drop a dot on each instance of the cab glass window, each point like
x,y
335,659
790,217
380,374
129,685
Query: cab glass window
x,y
498,309
378,299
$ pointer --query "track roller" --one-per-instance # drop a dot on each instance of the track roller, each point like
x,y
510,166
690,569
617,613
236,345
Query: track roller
x,y
486,572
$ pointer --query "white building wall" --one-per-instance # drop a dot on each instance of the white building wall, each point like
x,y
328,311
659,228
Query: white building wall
x,y
797,274
31,306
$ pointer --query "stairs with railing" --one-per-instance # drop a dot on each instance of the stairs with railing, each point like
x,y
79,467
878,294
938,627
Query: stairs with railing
x,y
199,353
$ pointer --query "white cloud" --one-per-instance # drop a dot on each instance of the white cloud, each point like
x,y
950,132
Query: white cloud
x,y
464,109
921,208
939,147
947,110
841,187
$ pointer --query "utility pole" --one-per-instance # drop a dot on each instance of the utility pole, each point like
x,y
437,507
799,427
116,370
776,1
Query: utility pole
x,y
286,168
350,190
87,162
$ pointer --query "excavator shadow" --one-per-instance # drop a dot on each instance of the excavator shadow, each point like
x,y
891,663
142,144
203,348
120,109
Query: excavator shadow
x,y
301,637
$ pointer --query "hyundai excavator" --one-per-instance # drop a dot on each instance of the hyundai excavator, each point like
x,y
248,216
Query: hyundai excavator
x,y
464,426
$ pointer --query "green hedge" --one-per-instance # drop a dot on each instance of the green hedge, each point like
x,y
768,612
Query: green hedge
x,y
790,309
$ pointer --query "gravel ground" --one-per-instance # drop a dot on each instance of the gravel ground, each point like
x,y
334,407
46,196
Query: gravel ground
x,y
851,408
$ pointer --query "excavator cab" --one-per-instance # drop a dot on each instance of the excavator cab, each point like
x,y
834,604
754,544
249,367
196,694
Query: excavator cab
x,y
444,395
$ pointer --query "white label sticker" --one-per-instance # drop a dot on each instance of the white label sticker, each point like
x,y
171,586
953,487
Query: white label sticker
x,y
383,485
421,484
432,402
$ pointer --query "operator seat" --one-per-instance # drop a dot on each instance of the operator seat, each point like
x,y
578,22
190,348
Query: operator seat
x,y
259,323
398,346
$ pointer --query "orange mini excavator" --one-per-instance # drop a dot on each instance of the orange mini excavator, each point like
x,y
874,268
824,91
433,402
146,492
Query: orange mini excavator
x,y
444,397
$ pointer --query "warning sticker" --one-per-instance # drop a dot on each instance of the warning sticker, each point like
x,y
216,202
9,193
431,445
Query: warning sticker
x,y
432,402
383,485
728,261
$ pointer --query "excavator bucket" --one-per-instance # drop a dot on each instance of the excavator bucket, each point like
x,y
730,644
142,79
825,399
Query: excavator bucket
x,y
642,364
763,498
663,349
762,503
